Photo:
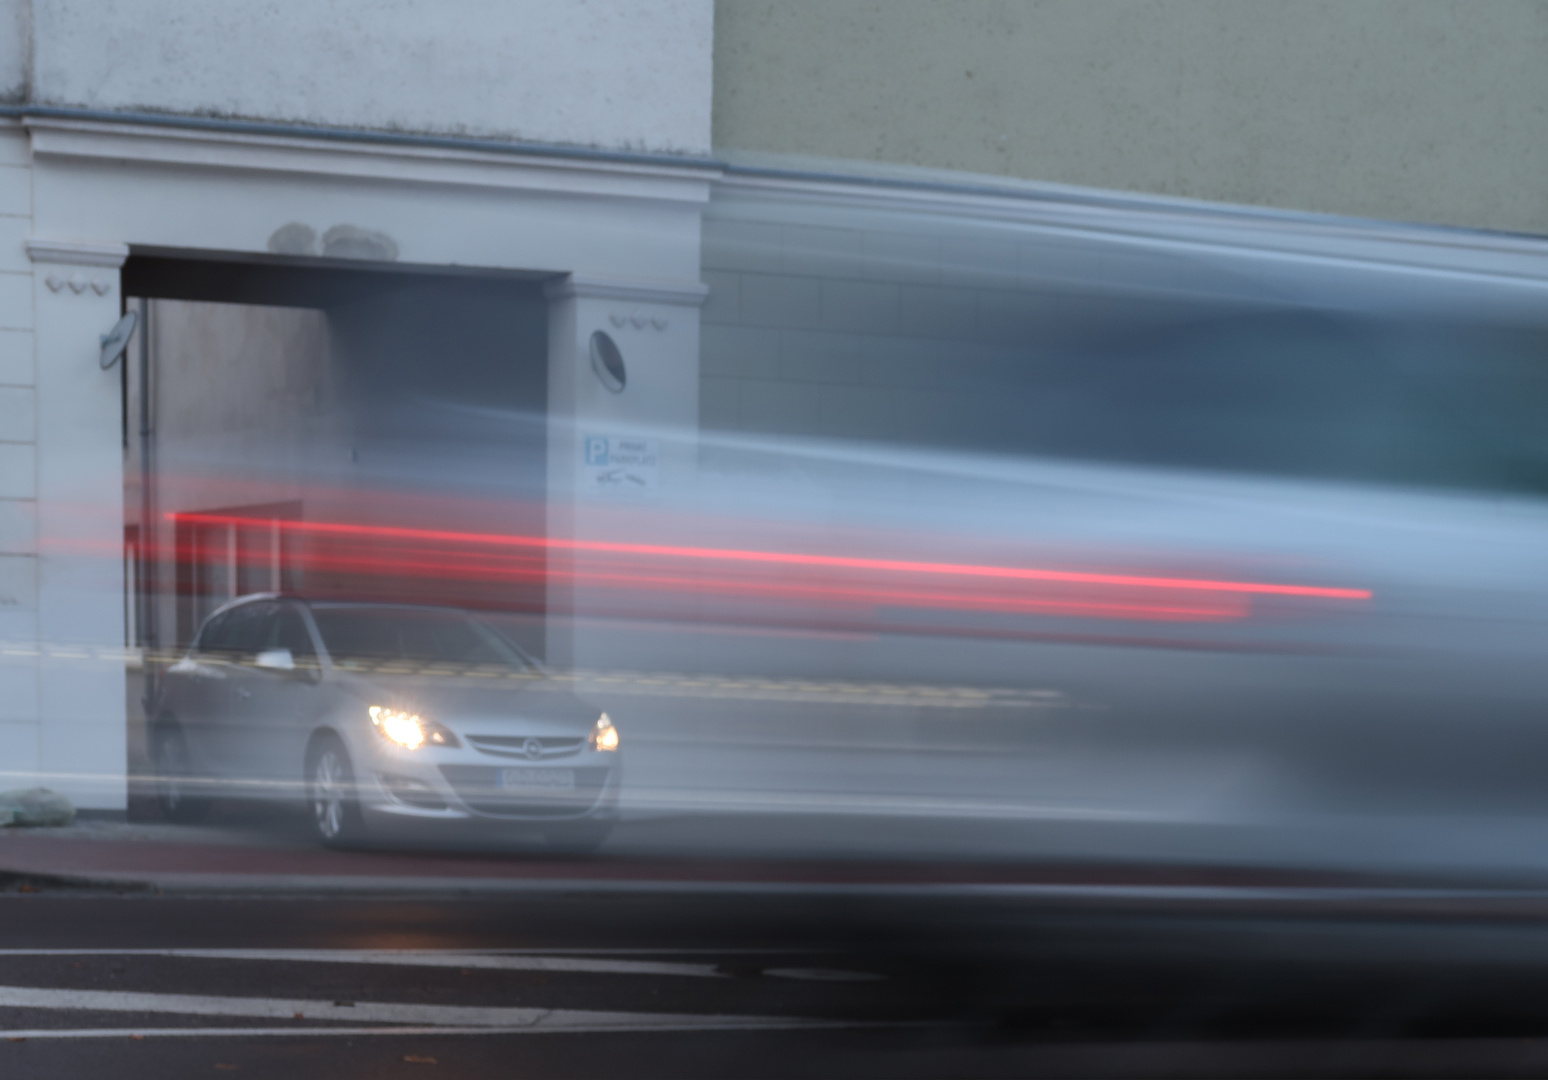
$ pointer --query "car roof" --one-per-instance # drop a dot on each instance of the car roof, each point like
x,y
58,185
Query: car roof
x,y
253,598
381,604
332,601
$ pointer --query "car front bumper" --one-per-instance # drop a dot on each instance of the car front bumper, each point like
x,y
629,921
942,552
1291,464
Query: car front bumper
x,y
460,788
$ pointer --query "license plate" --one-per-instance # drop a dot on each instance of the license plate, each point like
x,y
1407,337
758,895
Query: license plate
x,y
547,779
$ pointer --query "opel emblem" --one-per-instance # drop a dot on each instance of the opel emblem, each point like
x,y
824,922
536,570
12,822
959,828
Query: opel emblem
x,y
533,748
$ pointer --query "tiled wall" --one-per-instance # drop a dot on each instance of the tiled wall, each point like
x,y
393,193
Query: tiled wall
x,y
931,330
878,333
18,465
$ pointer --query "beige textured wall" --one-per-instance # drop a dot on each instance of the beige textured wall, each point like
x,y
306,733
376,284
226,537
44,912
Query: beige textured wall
x,y
1416,110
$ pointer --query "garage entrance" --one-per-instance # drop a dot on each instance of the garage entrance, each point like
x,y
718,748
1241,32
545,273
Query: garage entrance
x,y
314,429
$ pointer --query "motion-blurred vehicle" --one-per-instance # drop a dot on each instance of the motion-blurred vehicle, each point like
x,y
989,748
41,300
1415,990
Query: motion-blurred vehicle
x,y
379,713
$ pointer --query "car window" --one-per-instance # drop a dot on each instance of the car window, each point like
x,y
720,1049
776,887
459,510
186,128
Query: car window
x,y
288,631
241,633
411,635
212,637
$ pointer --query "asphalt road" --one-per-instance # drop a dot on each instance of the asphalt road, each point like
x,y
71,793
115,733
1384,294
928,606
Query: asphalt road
x,y
759,983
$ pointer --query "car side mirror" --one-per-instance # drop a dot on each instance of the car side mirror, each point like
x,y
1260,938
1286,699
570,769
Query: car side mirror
x,y
275,660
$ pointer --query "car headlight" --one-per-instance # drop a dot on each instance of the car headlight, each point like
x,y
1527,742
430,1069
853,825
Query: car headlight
x,y
409,731
604,736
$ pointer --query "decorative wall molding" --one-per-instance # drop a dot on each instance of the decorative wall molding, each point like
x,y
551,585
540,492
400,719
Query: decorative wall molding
x,y
637,319
15,115
77,253
78,283
413,162
628,290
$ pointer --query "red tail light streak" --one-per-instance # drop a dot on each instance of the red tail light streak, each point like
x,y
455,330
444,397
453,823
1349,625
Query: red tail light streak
x,y
761,578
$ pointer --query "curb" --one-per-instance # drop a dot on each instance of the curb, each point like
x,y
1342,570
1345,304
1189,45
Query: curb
x,y
24,882
1529,905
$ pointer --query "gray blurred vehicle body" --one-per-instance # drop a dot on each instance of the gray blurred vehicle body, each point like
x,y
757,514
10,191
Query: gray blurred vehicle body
x,y
379,714
1400,728
1226,410
1373,696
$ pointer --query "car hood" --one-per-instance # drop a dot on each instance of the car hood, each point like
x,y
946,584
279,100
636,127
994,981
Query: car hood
x,y
527,705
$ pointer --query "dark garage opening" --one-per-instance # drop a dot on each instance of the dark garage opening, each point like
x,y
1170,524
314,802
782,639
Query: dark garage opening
x,y
300,427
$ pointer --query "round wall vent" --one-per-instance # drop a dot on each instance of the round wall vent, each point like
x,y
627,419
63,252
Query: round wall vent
x,y
608,362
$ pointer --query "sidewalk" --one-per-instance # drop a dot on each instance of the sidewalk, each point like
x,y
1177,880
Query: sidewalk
x,y
258,850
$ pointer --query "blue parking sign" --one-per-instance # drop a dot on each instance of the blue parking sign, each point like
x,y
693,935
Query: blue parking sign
x,y
596,450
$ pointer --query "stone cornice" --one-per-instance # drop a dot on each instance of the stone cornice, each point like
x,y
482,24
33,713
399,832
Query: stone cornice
x,y
77,252
628,290
462,164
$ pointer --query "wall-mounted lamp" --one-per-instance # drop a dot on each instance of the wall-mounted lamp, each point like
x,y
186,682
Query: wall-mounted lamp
x,y
607,362
116,340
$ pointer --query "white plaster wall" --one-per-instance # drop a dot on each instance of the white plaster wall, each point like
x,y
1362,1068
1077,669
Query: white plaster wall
x,y
15,19
659,402
80,571
620,74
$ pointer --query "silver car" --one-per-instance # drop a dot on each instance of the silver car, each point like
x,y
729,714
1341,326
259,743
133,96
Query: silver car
x,y
379,713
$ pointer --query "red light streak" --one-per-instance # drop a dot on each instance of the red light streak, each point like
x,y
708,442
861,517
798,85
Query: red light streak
x,y
794,559
788,591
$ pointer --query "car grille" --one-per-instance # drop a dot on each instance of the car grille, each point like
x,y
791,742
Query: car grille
x,y
479,787
516,745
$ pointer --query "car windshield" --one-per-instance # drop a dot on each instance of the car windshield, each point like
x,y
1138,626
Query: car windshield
x,y
378,635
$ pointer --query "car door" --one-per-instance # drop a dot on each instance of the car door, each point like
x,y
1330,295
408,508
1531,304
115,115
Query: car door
x,y
276,705
196,690
230,659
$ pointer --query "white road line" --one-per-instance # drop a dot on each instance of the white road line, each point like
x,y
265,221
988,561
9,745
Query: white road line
x,y
696,951
408,958
432,1016
730,1024
823,975
667,951
503,961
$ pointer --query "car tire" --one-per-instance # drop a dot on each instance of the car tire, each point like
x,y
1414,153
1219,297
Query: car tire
x,y
577,838
331,799
174,771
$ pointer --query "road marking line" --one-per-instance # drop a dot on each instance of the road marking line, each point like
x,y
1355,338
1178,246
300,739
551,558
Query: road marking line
x,y
823,975
513,961
693,951
434,1016
762,1024
410,958
666,951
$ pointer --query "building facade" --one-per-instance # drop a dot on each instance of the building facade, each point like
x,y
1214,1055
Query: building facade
x,y
384,137
356,165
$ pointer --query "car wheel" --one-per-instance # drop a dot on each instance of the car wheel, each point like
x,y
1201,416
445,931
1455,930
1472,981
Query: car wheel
x,y
173,776
331,795
578,838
